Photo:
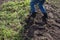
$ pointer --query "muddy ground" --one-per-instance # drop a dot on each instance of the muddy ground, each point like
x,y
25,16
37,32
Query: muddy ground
x,y
37,29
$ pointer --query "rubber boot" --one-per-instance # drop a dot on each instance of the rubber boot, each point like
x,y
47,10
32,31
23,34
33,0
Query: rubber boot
x,y
29,20
33,14
44,18
45,15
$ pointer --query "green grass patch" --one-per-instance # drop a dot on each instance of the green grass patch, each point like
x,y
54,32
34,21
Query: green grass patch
x,y
11,16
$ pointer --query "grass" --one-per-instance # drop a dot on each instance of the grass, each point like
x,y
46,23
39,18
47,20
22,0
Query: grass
x,y
11,16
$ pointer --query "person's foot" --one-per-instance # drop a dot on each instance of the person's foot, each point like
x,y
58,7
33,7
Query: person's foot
x,y
33,14
30,17
45,17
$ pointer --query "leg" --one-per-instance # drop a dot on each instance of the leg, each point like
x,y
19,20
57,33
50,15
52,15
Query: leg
x,y
42,2
43,10
41,7
32,7
44,13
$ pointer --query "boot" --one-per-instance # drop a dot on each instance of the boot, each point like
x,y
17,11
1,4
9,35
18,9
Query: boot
x,y
29,20
33,14
44,18
45,15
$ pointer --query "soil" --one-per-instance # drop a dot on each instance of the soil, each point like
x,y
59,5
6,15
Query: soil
x,y
37,29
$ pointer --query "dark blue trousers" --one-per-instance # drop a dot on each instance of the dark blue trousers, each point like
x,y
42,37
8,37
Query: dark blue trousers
x,y
40,4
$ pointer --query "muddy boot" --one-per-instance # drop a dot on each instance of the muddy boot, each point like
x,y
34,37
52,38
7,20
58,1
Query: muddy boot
x,y
45,15
44,18
33,14
31,18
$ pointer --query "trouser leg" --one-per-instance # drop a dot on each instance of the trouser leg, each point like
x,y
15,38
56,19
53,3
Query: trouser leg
x,y
33,13
41,7
43,10
32,7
